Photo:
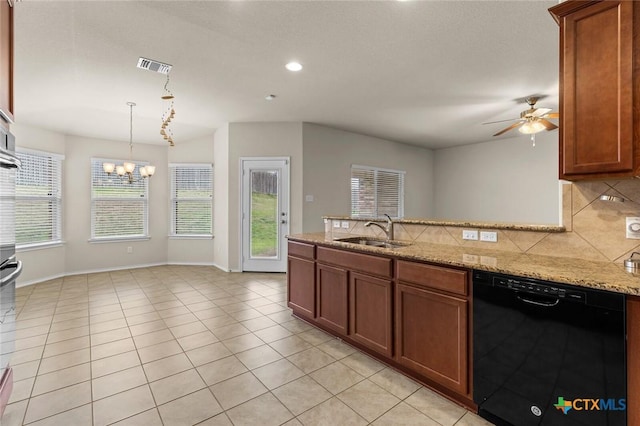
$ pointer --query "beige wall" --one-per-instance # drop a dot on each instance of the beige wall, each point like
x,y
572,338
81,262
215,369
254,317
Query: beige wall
x,y
262,140
328,155
190,250
44,263
221,197
81,255
506,180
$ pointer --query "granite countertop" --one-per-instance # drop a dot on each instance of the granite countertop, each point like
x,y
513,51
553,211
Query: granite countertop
x,y
460,224
599,275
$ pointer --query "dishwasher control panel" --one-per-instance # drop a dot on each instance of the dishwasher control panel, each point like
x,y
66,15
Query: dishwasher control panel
x,y
537,288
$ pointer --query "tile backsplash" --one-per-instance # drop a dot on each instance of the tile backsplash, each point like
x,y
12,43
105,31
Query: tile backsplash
x,y
595,229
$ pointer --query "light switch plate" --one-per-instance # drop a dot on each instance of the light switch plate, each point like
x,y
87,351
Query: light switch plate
x,y
336,224
633,228
345,225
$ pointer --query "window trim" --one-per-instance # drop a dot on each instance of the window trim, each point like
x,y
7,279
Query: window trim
x,y
374,169
57,222
172,218
145,221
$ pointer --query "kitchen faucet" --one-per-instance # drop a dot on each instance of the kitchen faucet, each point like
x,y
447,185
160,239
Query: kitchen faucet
x,y
388,230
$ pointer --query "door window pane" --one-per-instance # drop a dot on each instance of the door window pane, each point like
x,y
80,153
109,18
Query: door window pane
x,y
264,213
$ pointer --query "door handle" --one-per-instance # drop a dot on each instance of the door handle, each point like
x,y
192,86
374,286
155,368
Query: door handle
x,y
8,160
12,276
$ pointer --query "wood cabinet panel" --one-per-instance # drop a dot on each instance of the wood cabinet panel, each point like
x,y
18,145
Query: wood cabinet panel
x,y
432,335
373,265
596,89
370,308
6,61
301,289
436,277
305,251
332,298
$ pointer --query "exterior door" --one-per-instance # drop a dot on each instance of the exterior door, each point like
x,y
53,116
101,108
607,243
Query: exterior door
x,y
265,214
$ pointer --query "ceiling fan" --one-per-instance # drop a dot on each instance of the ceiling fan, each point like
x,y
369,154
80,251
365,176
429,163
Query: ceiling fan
x,y
532,120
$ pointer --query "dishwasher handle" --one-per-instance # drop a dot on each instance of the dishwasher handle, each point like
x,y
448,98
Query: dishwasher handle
x,y
537,303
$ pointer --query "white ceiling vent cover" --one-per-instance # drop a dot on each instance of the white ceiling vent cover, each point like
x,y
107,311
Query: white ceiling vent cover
x,y
151,65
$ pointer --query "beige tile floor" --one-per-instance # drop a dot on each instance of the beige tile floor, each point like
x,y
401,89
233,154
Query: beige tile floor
x,y
178,345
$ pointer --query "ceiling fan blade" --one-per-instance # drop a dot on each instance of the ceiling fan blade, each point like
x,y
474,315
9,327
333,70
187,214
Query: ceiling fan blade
x,y
552,115
546,123
513,126
539,112
503,121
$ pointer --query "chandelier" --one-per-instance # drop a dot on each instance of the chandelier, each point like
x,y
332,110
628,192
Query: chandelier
x,y
125,171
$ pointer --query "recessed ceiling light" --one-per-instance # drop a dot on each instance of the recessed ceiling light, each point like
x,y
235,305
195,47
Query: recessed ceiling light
x,y
293,66
270,97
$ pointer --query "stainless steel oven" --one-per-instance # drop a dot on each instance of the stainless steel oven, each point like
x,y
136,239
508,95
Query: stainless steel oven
x,y
10,268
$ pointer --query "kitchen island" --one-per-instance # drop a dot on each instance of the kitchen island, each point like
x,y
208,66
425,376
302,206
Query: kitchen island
x,y
410,304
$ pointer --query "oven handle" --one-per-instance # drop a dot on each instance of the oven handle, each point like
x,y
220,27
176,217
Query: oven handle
x,y
8,160
533,302
12,276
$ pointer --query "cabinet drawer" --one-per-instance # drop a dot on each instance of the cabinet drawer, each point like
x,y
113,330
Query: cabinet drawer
x,y
436,277
356,261
306,251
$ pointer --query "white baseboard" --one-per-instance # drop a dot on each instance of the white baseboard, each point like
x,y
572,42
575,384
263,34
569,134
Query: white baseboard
x,y
39,280
120,268
117,268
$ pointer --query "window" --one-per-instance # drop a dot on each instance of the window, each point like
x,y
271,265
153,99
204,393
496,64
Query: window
x,y
38,199
191,199
119,209
375,192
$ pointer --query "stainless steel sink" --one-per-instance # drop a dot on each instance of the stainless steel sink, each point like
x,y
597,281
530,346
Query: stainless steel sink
x,y
366,241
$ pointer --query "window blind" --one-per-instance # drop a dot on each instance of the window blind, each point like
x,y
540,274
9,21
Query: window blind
x,y
119,209
375,192
191,199
38,198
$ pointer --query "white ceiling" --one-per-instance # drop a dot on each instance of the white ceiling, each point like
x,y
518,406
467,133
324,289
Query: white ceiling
x,y
421,72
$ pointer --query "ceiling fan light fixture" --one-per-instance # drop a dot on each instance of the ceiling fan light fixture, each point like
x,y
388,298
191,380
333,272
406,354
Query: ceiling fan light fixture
x,y
531,127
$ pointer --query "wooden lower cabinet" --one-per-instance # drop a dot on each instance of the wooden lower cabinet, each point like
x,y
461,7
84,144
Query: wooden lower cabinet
x,y
432,335
301,277
331,297
370,312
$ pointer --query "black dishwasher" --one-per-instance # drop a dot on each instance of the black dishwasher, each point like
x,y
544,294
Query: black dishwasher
x,y
546,353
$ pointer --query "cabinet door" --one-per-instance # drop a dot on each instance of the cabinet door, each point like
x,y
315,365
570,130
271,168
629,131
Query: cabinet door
x,y
370,307
6,61
596,81
331,297
432,335
301,279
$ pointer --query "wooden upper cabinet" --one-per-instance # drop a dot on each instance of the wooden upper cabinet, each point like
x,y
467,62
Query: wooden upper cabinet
x,y
6,62
597,67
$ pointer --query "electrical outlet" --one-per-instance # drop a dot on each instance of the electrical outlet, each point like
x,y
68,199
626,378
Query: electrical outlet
x,y
308,198
345,225
470,258
633,228
489,236
336,224
129,249
468,234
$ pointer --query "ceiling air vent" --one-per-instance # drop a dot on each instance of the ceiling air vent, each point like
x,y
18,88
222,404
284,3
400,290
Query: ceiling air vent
x,y
155,66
